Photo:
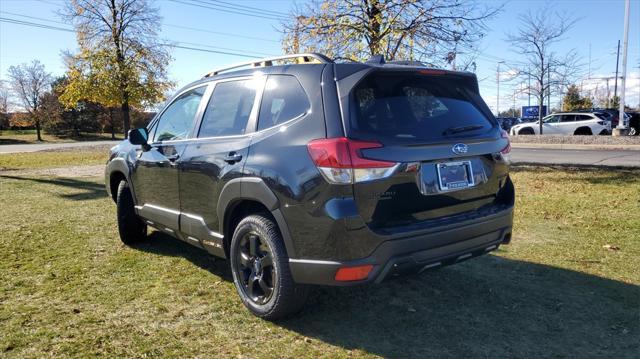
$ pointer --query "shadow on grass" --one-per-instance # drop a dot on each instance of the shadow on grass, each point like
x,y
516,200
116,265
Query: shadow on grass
x,y
87,190
163,244
13,141
487,307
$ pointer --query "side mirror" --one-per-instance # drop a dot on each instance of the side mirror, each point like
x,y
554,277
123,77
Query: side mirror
x,y
139,136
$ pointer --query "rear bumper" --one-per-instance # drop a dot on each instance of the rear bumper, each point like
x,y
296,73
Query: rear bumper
x,y
414,254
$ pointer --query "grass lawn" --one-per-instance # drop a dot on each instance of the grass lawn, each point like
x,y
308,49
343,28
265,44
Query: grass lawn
x,y
15,137
92,155
69,288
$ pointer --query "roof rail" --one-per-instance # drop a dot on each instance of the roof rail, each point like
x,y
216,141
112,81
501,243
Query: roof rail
x,y
306,58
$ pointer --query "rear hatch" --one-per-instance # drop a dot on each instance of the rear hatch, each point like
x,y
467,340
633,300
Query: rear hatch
x,y
446,153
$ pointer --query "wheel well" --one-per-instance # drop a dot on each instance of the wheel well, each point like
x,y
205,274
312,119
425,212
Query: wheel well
x,y
526,130
235,213
583,130
114,181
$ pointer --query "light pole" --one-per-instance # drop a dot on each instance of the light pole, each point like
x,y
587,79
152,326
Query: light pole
x,y
621,129
498,95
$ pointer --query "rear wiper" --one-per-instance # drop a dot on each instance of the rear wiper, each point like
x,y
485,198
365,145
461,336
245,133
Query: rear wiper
x,y
454,130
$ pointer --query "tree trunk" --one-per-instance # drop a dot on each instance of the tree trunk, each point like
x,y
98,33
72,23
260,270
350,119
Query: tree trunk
x,y
113,127
38,130
540,107
126,121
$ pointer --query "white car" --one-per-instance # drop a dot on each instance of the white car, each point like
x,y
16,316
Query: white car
x,y
569,123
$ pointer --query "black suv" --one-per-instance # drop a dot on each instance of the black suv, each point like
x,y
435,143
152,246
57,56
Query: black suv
x,y
315,172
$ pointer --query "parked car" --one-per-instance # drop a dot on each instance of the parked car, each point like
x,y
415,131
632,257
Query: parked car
x,y
507,122
610,114
566,123
319,173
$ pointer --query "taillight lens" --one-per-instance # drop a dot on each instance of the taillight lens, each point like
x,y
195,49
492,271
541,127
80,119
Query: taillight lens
x,y
505,153
340,160
507,149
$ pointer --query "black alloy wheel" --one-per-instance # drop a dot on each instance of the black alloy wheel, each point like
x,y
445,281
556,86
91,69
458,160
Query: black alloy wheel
x,y
257,274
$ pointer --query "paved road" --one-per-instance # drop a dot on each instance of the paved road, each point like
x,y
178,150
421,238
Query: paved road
x,y
51,146
576,157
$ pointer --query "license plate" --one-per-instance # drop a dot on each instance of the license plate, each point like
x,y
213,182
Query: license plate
x,y
455,175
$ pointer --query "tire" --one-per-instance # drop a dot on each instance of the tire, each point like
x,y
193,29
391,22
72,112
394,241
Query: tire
x,y
526,131
260,268
633,131
131,228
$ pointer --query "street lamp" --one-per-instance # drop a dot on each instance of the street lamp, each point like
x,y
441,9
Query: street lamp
x,y
498,95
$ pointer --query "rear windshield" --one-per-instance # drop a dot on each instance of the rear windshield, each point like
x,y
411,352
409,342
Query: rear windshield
x,y
415,106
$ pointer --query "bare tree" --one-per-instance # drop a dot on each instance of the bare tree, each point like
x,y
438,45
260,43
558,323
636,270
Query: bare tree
x,y
4,105
30,82
432,31
119,40
534,41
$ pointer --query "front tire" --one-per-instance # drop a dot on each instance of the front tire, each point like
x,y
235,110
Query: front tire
x,y
131,228
260,268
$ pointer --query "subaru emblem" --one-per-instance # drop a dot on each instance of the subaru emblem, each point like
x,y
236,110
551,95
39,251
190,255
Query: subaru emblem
x,y
460,148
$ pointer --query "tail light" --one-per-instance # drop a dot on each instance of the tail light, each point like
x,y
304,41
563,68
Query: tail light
x,y
340,160
507,149
505,153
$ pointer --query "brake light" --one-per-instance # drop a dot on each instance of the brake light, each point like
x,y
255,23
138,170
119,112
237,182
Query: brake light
x,y
507,149
340,160
346,274
432,72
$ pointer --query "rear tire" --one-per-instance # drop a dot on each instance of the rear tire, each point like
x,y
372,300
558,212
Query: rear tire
x,y
260,268
131,228
583,131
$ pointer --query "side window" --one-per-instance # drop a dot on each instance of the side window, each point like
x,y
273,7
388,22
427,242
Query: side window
x,y
176,121
583,118
283,99
229,109
552,119
568,118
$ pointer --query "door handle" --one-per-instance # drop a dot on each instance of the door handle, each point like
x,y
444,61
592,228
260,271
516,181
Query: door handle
x,y
232,158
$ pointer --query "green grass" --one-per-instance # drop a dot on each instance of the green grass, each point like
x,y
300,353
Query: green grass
x,y
93,155
14,137
69,288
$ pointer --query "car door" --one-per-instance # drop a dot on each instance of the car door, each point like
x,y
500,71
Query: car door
x,y
216,157
155,171
567,125
550,125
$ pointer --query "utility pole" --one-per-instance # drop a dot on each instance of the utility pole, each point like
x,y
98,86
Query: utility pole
x,y
621,129
589,61
615,87
498,92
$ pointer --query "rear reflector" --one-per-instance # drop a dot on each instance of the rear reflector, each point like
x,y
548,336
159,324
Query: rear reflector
x,y
340,160
346,274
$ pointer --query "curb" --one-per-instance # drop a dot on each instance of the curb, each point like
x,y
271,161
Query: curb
x,y
567,146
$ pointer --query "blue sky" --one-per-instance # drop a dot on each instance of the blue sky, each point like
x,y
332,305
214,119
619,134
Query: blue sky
x,y
599,27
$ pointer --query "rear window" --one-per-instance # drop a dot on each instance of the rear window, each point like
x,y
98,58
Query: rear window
x,y
415,106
